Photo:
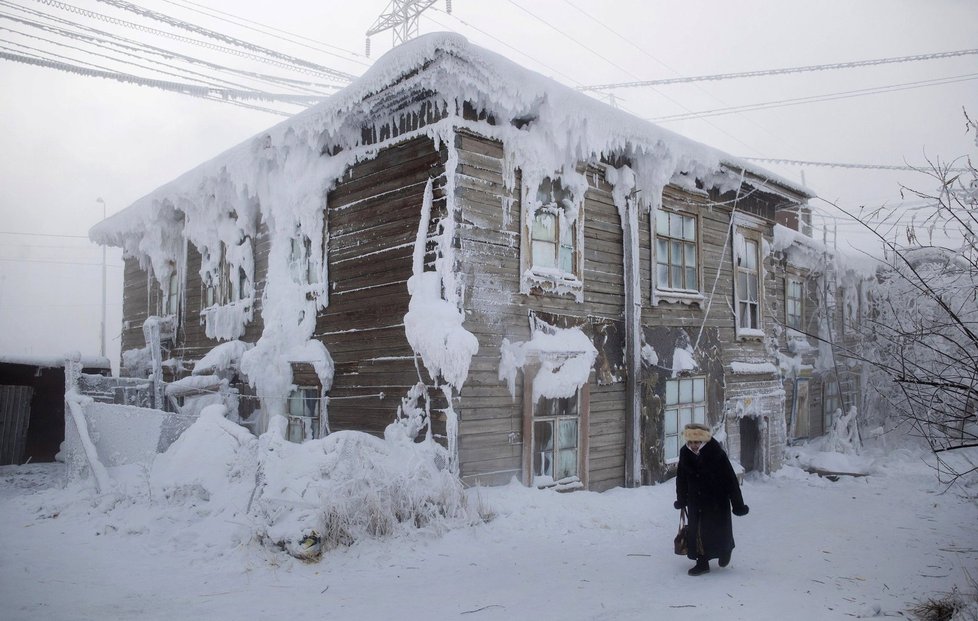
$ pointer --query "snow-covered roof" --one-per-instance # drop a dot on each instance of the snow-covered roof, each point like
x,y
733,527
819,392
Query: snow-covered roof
x,y
575,126
53,362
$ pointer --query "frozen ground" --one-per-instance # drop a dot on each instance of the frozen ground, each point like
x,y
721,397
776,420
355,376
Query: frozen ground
x,y
810,548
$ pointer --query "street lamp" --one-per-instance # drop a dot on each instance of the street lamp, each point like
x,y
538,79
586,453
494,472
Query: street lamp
x,y
102,330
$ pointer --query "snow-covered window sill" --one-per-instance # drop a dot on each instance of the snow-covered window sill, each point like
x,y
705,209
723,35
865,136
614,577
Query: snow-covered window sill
x,y
750,334
678,297
564,485
553,282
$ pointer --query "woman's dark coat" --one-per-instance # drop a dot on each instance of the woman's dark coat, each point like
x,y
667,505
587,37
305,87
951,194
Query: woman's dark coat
x,y
707,486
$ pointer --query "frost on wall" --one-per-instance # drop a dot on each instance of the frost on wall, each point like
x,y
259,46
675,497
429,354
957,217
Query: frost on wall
x,y
276,184
565,357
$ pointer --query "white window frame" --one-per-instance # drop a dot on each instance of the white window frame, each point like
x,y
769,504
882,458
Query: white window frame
x,y
230,286
551,200
684,402
748,230
797,302
664,218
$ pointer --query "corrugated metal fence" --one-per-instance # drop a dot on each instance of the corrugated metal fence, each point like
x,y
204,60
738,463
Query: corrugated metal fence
x,y
15,416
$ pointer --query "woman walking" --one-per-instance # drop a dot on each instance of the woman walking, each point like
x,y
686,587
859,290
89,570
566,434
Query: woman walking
x,y
707,487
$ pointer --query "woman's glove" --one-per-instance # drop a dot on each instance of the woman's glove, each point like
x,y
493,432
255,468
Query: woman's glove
x,y
677,505
742,510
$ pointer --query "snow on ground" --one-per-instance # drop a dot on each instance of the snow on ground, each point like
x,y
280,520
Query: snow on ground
x,y
810,548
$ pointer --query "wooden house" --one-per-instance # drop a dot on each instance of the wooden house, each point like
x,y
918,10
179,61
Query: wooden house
x,y
557,285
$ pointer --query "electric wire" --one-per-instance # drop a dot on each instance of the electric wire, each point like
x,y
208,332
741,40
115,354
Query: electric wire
x,y
165,34
817,98
204,92
184,73
128,47
243,22
786,70
189,27
906,167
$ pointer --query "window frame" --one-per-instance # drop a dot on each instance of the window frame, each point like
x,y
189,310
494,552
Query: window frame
x,y
298,421
667,293
530,418
789,300
170,297
542,278
754,236
675,409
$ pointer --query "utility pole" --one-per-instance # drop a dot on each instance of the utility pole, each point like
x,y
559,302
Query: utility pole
x,y
401,17
102,330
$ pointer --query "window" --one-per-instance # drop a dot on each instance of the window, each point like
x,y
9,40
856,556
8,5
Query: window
x,y
685,403
747,286
304,413
551,257
172,292
831,403
676,252
301,266
556,440
225,284
793,303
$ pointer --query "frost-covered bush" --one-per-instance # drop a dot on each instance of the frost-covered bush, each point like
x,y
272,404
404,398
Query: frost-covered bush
x,y
334,491
213,460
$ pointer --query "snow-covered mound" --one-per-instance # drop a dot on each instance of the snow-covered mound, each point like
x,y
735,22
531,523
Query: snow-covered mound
x,y
333,491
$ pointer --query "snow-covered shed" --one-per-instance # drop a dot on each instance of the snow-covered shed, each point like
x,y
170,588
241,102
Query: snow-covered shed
x,y
32,404
556,284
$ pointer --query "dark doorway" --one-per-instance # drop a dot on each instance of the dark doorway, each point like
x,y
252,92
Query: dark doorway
x,y
750,444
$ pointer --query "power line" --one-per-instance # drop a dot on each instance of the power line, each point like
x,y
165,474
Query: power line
x,y
212,12
180,24
110,41
57,262
170,35
906,167
42,235
229,96
766,72
817,98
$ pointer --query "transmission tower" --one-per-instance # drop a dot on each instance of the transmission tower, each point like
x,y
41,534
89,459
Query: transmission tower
x,y
401,17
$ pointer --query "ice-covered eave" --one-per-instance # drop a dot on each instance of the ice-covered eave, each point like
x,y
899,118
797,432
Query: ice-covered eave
x,y
574,125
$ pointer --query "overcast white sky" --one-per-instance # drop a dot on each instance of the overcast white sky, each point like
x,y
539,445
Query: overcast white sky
x,y
68,140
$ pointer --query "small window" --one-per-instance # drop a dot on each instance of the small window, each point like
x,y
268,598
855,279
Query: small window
x,y
793,303
172,293
831,403
685,403
304,413
301,266
676,263
551,258
747,286
556,440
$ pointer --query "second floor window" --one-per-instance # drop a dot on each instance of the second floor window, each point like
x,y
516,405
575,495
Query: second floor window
x,y
748,284
675,251
793,303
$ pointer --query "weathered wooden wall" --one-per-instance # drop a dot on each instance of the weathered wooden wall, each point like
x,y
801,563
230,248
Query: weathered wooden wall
x,y
490,430
372,218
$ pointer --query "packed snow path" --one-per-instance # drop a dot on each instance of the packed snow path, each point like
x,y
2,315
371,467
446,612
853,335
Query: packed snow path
x,y
809,549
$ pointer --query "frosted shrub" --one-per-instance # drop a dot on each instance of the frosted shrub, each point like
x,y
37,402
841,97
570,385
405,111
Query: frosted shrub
x,y
334,491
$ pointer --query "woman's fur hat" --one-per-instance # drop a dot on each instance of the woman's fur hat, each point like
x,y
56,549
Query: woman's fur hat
x,y
696,432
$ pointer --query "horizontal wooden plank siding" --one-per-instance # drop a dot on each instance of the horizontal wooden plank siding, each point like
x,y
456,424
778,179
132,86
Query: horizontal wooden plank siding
x,y
372,219
491,425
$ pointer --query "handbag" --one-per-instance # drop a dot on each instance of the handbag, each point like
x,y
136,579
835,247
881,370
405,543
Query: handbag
x,y
680,541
